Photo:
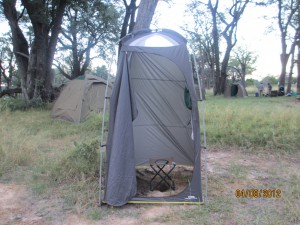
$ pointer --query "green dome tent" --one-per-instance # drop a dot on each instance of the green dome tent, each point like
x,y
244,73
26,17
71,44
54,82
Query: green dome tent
x,y
79,98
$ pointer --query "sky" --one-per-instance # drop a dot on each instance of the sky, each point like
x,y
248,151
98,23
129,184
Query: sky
x,y
252,34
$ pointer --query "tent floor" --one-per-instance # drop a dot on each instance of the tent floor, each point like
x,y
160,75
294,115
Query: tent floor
x,y
181,176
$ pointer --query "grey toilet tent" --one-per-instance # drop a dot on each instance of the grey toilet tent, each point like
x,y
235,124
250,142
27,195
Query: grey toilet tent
x,y
151,115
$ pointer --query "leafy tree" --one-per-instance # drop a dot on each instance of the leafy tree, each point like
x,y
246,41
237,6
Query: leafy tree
x,y
91,25
201,39
102,72
289,29
270,79
34,58
242,63
7,61
251,82
223,24
234,13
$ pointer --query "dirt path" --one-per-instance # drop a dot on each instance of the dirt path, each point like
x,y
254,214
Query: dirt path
x,y
13,208
17,208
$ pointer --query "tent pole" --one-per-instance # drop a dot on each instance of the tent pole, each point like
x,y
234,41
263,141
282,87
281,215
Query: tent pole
x,y
204,126
102,132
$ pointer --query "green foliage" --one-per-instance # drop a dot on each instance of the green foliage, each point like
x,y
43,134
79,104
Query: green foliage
x,y
8,71
18,104
270,79
243,58
81,163
102,72
96,24
251,82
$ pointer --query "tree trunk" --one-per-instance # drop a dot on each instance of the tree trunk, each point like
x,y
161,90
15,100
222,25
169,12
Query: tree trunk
x,y
35,68
222,79
129,16
216,50
298,70
284,59
243,75
289,83
43,49
145,14
20,44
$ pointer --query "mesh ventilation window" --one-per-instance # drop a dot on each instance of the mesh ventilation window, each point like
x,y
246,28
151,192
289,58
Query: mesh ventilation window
x,y
154,40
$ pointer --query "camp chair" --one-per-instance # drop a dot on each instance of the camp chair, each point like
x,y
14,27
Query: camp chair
x,y
162,169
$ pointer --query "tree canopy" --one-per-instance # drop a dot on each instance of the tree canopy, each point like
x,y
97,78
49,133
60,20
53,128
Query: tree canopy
x,y
90,30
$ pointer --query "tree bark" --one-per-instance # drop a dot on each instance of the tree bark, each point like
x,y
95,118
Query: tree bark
x,y
298,70
286,12
145,14
129,16
216,50
289,81
35,67
20,44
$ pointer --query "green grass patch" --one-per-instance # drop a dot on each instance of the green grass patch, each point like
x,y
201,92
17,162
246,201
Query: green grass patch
x,y
253,124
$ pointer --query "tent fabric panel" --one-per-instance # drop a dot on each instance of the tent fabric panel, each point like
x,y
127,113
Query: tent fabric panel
x,y
179,56
70,94
120,166
156,142
154,67
153,96
68,105
93,98
79,98
159,84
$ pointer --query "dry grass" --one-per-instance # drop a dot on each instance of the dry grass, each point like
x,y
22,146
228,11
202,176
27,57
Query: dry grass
x,y
253,143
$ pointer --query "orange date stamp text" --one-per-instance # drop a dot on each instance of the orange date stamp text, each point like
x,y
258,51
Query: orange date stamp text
x,y
258,193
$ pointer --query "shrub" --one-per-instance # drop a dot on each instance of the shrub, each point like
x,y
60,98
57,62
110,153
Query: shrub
x,y
15,104
82,162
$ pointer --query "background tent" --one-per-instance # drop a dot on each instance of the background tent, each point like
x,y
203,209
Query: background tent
x,y
153,115
235,90
80,97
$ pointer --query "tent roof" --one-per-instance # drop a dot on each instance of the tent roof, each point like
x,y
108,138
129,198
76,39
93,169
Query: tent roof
x,y
156,38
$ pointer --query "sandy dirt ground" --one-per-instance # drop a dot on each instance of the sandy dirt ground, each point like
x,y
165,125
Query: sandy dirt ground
x,y
19,207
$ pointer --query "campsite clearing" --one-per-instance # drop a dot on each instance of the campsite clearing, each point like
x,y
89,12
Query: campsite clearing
x,y
47,175
228,171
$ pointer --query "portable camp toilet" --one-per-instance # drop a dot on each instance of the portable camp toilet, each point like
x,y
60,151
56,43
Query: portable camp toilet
x,y
153,115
